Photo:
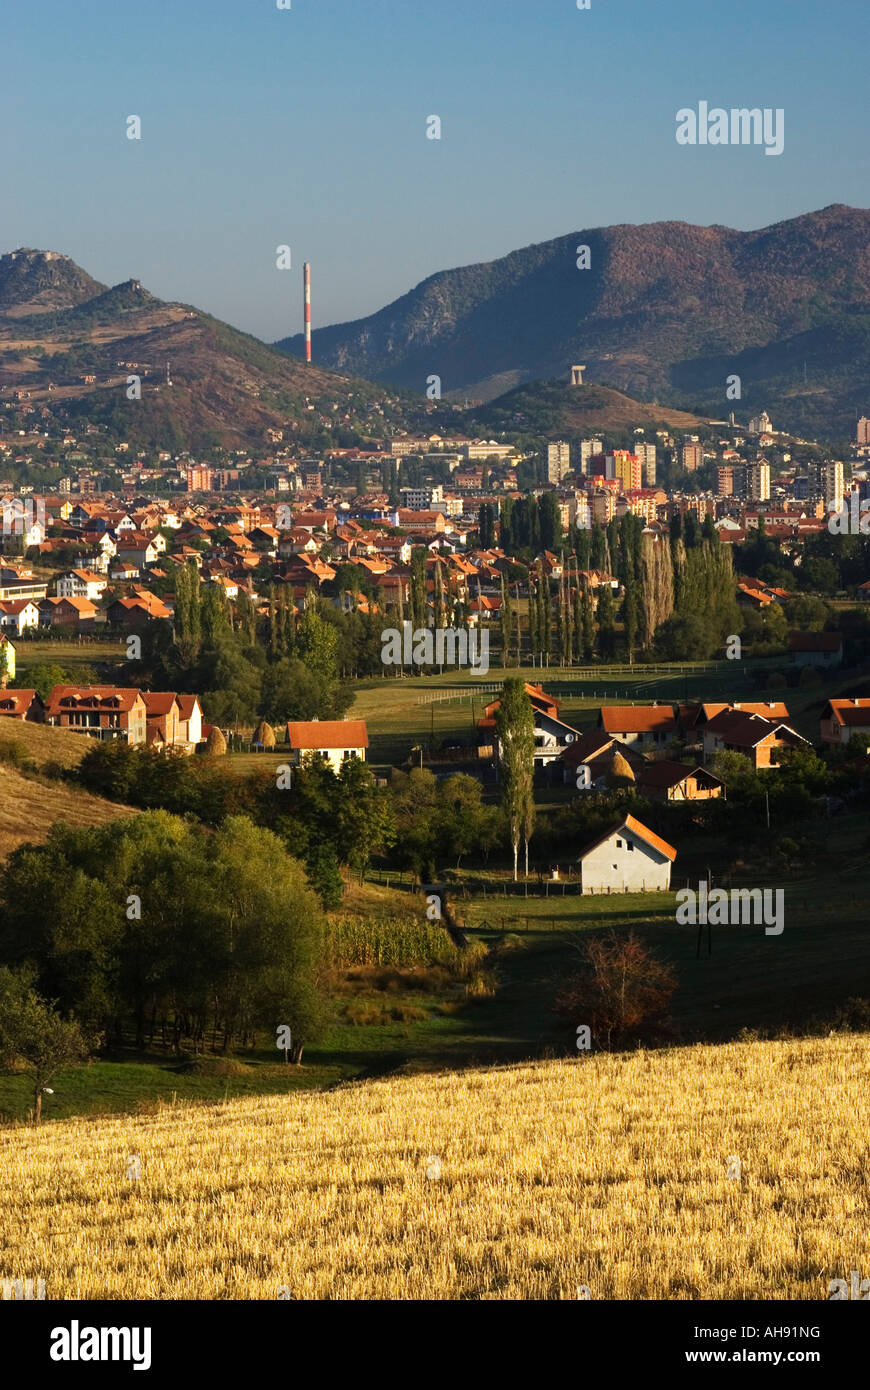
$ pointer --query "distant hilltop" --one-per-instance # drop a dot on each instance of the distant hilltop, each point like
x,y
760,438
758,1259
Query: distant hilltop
x,y
664,310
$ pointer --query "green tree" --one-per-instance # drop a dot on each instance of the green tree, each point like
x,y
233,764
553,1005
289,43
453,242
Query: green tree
x,y
606,623
32,1032
515,730
364,822
506,622
550,521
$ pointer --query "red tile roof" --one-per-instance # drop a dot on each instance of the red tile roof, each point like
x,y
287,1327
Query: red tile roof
x,y
158,702
642,719
327,733
849,713
637,828
109,697
815,641
16,702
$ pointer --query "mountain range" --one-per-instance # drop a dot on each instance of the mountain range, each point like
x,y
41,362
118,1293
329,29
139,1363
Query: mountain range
x,y
70,344
665,311
665,314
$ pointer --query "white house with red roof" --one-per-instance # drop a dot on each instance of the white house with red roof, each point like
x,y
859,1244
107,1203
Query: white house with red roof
x,y
81,584
18,614
628,859
334,740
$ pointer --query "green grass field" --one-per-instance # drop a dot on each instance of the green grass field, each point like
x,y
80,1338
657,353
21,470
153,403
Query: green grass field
x,y
749,981
426,710
67,652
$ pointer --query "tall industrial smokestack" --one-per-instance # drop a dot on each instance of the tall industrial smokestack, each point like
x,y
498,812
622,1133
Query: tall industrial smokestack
x,y
306,276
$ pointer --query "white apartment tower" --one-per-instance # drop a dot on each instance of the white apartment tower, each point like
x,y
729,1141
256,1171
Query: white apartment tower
x,y
558,461
588,447
758,481
647,455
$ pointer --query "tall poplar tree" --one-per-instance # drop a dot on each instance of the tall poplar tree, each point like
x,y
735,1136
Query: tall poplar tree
x,y
506,621
515,730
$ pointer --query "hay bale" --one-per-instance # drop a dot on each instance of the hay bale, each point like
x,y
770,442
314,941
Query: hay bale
x,y
264,734
620,773
215,744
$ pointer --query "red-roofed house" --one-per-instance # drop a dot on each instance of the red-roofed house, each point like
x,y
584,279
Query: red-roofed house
x,y
189,719
628,859
669,781
18,614
649,726
736,731
103,711
334,740
843,718
816,648
162,718
81,584
79,613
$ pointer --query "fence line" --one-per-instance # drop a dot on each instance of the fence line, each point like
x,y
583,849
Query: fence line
x,y
575,676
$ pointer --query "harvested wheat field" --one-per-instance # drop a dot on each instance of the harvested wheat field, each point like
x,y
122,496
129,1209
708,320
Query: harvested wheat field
x,y
609,1172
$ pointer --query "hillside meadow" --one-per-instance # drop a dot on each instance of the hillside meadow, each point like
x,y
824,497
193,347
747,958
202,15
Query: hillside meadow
x,y
524,1182
29,808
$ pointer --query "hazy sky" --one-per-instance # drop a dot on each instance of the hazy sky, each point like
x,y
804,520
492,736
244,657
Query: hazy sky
x,y
307,127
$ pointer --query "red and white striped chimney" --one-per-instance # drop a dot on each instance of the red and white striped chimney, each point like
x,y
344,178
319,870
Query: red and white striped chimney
x,y
306,277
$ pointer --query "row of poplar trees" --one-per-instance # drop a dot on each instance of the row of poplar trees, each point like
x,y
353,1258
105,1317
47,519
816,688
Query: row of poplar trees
x,y
663,581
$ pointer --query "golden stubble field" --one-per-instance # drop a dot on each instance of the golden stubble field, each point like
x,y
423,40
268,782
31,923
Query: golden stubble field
x,y
608,1172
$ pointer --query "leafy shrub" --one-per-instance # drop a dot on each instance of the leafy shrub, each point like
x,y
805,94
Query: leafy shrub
x,y
622,994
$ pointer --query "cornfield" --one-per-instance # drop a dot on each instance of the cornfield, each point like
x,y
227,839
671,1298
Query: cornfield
x,y
396,941
738,1172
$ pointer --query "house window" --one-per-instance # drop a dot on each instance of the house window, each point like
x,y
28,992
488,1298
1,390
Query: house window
x,y
629,845
619,844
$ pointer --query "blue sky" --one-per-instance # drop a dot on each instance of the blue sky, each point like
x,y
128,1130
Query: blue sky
x,y
307,127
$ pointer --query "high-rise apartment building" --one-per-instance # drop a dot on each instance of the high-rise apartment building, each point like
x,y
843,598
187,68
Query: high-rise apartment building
x,y
601,466
627,469
578,511
647,455
558,461
758,481
420,499
691,457
725,480
589,447
863,433
832,485
199,478
602,503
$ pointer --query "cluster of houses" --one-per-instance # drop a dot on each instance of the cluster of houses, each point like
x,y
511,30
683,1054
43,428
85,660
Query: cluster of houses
x,y
635,740
126,555
25,602
628,746
156,718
